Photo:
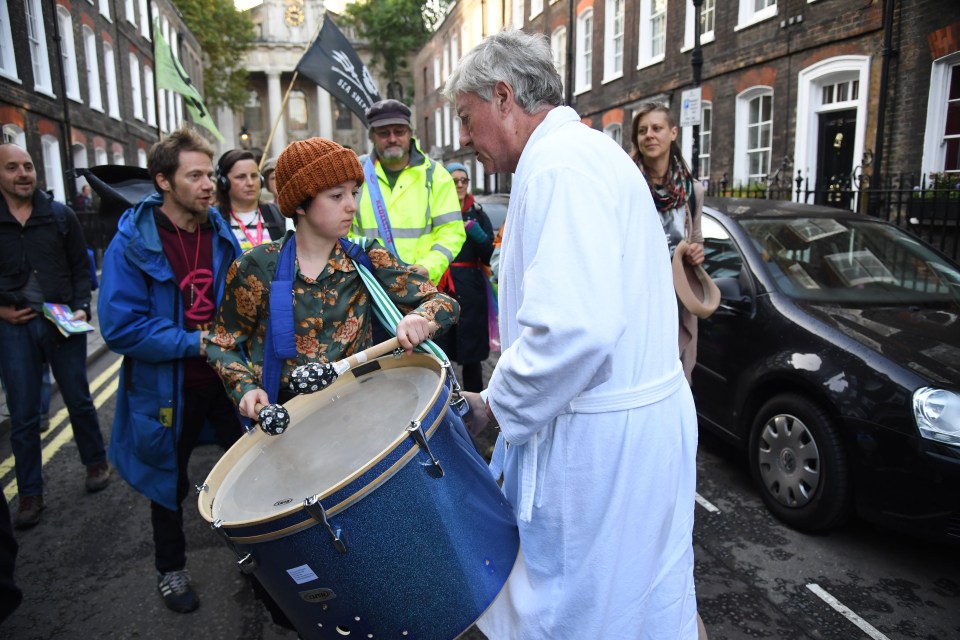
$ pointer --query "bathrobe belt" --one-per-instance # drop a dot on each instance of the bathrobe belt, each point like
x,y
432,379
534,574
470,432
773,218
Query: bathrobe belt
x,y
529,467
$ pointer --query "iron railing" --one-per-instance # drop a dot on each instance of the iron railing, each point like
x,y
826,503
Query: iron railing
x,y
926,206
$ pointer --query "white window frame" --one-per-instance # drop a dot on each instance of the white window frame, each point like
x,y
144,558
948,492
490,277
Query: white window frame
x,y
478,27
741,165
150,105
100,156
706,36
14,134
645,55
92,68
536,8
118,158
454,51
144,19
37,43
516,14
437,128
110,76
436,72
446,65
456,134
142,158
583,78
934,151
162,108
613,40
104,6
615,131
748,16
136,90
68,49
810,82
130,12
558,47
79,162
8,58
447,126
686,138
53,167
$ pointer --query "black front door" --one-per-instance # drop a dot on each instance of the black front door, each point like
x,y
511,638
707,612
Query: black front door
x,y
835,158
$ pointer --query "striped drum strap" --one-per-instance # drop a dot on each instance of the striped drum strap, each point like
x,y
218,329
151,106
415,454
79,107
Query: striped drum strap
x,y
387,312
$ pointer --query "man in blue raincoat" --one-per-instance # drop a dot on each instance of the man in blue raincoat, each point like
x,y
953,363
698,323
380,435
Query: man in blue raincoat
x,y
162,281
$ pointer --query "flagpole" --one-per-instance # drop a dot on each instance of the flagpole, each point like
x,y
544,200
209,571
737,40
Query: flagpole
x,y
156,90
286,97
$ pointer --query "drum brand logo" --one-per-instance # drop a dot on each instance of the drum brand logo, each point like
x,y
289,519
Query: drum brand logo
x,y
280,503
318,595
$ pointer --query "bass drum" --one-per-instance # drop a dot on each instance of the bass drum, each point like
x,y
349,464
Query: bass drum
x,y
373,515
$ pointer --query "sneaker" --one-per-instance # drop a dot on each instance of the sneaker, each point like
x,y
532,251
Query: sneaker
x,y
176,591
28,512
98,476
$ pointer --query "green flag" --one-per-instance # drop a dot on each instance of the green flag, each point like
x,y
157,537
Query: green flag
x,y
171,76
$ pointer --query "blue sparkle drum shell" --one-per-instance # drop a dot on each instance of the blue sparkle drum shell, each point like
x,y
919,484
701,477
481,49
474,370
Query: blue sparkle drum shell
x,y
423,555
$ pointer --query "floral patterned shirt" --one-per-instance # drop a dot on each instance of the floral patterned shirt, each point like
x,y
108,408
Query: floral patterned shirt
x,y
332,314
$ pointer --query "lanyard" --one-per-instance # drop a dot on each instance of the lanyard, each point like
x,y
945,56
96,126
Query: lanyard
x,y
259,240
379,208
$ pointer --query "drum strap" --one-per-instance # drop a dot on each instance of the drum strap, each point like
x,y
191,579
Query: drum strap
x,y
280,343
384,308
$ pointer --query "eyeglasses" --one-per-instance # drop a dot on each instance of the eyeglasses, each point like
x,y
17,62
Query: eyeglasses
x,y
461,181
386,132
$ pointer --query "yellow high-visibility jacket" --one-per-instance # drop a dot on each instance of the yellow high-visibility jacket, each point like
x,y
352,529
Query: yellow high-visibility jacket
x,y
424,213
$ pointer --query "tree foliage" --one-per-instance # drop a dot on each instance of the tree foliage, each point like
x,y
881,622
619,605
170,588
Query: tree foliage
x,y
225,35
395,29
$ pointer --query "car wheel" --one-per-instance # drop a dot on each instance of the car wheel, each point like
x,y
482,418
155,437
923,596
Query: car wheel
x,y
798,463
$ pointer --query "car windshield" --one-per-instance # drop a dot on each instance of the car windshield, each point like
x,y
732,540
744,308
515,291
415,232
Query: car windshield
x,y
843,260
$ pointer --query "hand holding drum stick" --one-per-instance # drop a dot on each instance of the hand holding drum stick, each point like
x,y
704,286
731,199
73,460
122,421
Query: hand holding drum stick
x,y
310,378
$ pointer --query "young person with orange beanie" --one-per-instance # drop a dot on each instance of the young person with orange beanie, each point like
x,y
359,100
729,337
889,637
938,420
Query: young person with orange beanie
x,y
317,185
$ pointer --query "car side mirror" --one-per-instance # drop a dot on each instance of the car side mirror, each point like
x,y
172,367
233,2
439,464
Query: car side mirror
x,y
732,295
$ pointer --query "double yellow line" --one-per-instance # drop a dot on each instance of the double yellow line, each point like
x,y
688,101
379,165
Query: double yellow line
x,y
58,437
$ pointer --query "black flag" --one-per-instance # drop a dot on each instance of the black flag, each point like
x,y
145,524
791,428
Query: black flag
x,y
332,63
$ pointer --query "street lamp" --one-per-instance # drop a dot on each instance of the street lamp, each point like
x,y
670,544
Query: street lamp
x,y
696,61
244,137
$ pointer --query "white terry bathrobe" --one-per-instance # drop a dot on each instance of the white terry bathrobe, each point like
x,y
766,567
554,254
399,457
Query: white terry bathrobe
x,y
598,420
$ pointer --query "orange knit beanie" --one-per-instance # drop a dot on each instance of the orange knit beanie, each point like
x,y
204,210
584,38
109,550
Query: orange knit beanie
x,y
307,167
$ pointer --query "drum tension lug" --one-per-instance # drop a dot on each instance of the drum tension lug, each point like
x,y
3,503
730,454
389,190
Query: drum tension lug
x,y
246,562
202,488
457,401
416,432
397,353
316,511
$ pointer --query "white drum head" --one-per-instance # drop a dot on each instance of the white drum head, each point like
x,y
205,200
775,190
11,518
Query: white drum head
x,y
333,436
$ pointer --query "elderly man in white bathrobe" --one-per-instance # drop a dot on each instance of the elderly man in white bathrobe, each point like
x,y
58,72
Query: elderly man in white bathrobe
x,y
598,428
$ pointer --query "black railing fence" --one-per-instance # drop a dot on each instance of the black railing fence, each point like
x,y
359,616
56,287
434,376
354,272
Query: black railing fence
x,y
927,206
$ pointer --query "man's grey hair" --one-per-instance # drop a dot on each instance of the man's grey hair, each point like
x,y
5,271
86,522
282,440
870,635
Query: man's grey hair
x,y
522,60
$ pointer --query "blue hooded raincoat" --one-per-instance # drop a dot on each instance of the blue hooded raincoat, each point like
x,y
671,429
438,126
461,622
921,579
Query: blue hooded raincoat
x,y
141,318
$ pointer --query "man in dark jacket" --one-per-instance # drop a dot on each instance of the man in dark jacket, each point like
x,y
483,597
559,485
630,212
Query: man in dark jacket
x,y
163,277
42,259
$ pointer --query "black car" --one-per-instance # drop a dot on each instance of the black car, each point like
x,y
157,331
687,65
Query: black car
x,y
834,363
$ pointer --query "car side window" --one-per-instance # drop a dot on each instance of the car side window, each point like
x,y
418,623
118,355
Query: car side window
x,y
721,258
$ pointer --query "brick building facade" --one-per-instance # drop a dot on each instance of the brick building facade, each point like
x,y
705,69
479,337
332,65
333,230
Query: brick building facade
x,y
789,87
77,86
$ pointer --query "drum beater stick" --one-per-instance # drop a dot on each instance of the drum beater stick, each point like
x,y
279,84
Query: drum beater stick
x,y
316,376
